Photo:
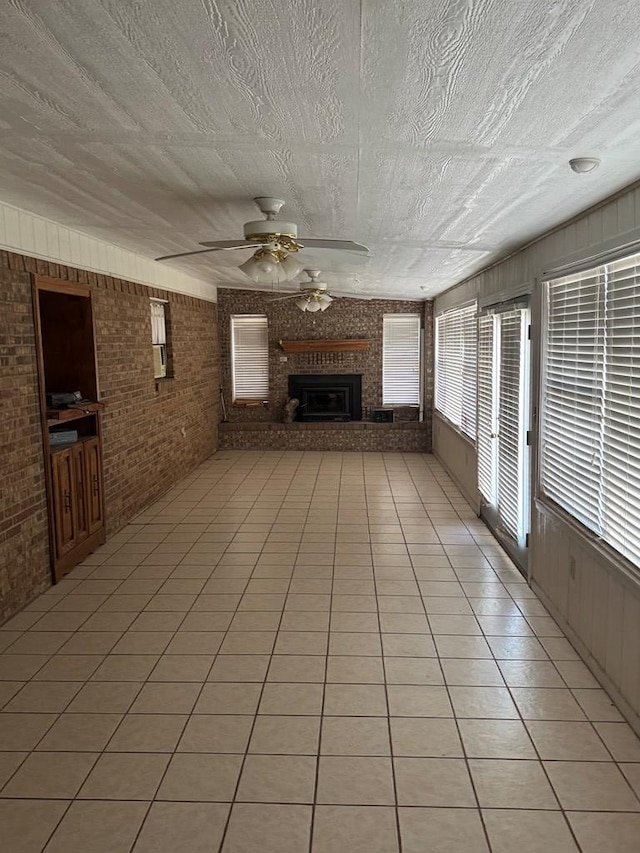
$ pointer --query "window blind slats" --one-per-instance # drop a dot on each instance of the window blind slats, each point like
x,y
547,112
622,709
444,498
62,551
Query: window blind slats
x,y
158,327
572,401
510,481
250,357
401,359
590,462
456,367
621,407
486,426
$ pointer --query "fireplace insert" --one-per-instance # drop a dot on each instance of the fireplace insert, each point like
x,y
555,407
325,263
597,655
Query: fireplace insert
x,y
327,397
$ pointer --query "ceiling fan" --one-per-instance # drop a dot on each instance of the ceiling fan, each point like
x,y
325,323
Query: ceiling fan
x,y
275,241
314,295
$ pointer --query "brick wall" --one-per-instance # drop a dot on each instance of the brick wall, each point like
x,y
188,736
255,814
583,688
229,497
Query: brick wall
x,y
145,451
24,546
345,318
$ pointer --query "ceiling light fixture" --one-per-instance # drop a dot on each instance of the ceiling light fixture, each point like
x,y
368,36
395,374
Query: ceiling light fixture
x,y
584,165
313,296
313,302
274,240
271,266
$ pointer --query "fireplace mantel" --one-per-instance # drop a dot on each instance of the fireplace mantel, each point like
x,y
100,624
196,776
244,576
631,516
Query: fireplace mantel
x,y
346,345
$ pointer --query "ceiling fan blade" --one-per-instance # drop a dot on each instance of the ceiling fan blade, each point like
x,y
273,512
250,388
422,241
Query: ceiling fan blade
x,y
214,247
185,254
339,295
290,296
230,244
347,245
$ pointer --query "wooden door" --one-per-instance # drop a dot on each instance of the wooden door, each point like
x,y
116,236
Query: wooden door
x,y
93,484
63,477
80,492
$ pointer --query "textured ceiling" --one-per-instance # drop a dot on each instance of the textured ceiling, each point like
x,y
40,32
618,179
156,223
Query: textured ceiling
x,y
437,133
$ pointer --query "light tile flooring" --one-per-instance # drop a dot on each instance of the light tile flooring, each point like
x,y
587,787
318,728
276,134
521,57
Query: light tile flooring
x,y
306,652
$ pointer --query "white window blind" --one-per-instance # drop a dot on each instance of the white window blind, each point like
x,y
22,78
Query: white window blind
x,y
158,324
250,357
456,367
487,415
503,417
159,337
590,463
511,429
401,359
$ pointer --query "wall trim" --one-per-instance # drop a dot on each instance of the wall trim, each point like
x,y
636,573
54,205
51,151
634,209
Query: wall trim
x,y
29,234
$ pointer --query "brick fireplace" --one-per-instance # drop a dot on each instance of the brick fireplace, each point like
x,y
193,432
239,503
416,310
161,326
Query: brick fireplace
x,y
261,426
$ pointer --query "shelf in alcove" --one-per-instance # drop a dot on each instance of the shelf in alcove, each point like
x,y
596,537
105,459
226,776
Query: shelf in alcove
x,y
56,416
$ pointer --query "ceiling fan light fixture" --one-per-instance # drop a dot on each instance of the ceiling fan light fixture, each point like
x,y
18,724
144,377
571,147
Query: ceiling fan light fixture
x,y
291,266
267,266
313,305
302,303
254,269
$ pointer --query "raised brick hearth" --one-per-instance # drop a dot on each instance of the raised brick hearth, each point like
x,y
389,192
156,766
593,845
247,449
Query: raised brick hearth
x,y
410,436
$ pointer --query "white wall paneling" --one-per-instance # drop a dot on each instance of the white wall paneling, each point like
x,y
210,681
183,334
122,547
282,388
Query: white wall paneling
x,y
28,234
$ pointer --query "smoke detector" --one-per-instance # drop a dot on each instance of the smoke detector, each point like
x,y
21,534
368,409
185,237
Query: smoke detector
x,y
583,165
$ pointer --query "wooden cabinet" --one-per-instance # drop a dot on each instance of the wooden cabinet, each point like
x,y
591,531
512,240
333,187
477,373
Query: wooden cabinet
x,y
79,501
94,485
77,494
67,363
63,501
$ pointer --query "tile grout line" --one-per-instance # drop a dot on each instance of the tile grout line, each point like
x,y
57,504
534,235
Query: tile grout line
x,y
261,693
324,687
386,691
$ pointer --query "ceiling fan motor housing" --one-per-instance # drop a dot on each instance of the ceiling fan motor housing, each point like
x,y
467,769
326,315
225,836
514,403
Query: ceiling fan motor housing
x,y
274,232
269,228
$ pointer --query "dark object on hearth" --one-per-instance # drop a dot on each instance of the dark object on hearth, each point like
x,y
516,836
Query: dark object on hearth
x,y
290,410
223,406
382,416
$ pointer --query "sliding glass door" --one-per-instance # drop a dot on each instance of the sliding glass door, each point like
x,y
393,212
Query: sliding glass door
x,y
503,418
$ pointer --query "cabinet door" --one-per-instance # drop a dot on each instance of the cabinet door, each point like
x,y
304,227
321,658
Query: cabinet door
x,y
62,470
80,492
93,484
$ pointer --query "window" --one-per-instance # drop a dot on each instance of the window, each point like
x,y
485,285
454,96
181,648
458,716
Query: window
x,y
159,337
456,367
249,357
401,360
590,439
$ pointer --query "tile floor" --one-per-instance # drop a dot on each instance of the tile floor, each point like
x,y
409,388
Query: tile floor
x,y
296,652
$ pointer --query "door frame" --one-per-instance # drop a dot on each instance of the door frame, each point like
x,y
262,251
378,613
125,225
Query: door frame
x,y
518,551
